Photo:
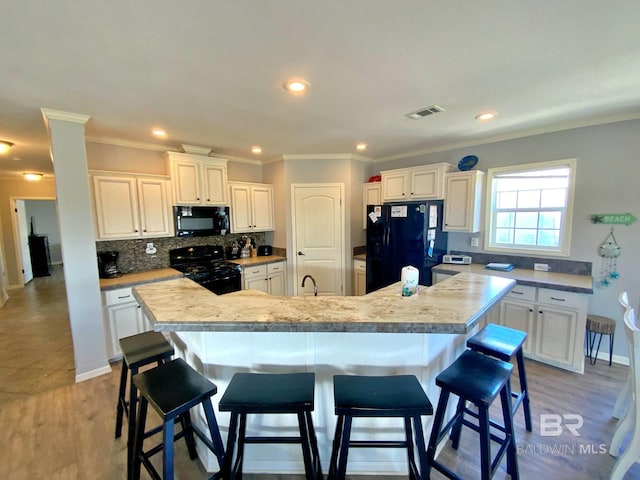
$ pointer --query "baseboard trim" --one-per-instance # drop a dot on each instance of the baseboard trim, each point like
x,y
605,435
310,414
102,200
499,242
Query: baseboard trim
x,y
614,359
93,373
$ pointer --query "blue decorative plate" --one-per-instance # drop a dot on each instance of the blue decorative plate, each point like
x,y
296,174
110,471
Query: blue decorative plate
x,y
467,163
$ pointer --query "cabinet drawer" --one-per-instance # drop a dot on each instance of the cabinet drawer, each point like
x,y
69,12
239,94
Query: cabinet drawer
x,y
256,271
118,296
359,265
522,292
560,298
275,267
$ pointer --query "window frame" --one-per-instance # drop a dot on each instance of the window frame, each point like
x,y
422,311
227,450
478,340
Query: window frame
x,y
564,248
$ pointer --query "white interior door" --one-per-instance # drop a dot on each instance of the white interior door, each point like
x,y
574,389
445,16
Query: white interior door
x,y
318,238
23,233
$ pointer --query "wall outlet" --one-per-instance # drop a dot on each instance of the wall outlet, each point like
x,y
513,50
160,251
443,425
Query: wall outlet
x,y
474,241
541,267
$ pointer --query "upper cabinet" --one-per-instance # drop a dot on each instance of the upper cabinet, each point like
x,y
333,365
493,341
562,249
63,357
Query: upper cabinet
x,y
198,180
371,195
463,198
251,207
417,183
132,206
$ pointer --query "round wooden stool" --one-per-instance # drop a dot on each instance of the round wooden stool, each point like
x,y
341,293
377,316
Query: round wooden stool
x,y
598,325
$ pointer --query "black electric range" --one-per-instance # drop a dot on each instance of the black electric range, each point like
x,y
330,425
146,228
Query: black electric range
x,y
205,265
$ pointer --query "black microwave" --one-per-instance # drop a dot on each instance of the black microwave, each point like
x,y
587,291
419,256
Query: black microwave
x,y
201,221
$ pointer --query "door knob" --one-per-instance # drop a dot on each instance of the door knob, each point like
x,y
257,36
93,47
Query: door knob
x,y
300,253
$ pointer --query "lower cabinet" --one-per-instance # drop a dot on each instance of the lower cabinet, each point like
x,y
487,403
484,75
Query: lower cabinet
x,y
269,278
359,277
123,317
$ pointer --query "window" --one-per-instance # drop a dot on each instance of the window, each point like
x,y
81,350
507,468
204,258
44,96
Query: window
x,y
530,207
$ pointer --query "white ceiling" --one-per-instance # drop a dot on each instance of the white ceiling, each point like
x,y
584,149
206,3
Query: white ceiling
x,y
211,72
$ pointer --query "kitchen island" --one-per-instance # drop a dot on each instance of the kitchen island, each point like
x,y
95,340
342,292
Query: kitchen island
x,y
381,333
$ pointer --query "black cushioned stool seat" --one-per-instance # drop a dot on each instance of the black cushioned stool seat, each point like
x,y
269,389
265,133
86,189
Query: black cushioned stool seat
x,y
137,351
478,379
172,390
270,393
379,396
505,343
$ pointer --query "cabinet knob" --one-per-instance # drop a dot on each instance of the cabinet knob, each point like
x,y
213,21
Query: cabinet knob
x,y
531,309
539,311
208,199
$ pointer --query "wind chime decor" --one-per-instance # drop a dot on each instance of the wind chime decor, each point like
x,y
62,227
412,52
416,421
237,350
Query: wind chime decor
x,y
609,250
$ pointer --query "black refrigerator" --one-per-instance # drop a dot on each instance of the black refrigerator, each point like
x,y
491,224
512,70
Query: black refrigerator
x,y
401,234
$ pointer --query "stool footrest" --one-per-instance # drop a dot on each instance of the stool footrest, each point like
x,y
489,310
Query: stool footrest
x,y
378,443
255,440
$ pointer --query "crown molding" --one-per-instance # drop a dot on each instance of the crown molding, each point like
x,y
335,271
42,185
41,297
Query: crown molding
x,y
324,156
50,114
119,142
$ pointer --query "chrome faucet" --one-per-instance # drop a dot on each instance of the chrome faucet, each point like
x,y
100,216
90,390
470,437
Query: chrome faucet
x,y
313,280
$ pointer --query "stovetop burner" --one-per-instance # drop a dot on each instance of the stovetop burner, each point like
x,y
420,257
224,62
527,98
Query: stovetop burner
x,y
206,265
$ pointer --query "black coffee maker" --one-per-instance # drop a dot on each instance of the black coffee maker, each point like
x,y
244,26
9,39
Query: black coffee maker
x,y
108,265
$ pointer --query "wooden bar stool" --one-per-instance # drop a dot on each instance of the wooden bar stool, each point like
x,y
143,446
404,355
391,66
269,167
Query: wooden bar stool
x,y
598,325
172,390
399,396
478,379
137,351
505,343
270,393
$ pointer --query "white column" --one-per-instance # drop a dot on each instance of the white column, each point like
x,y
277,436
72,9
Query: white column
x,y
69,156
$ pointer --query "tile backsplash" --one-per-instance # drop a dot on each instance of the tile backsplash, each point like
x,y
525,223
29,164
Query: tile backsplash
x,y
132,257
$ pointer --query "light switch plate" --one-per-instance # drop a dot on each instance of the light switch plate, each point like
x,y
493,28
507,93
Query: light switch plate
x,y
541,267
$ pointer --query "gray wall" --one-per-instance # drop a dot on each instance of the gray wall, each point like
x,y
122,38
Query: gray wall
x,y
45,218
607,176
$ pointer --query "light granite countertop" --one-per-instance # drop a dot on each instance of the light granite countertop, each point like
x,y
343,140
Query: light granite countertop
x,y
253,261
453,306
554,280
131,279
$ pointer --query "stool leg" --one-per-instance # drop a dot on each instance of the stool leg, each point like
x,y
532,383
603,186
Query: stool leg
x,y
337,439
133,400
167,449
421,447
313,445
457,426
410,453
524,390
507,414
485,445
214,431
306,446
344,449
231,441
242,433
610,348
436,435
121,398
187,428
135,449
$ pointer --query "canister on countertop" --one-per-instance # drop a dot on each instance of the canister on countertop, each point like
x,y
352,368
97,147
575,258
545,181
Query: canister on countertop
x,y
409,279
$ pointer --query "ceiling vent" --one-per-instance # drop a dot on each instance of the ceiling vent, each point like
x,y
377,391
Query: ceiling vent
x,y
424,112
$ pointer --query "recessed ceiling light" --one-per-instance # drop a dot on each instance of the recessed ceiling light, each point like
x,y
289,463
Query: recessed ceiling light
x,y
32,177
158,132
5,146
256,149
485,116
361,146
296,86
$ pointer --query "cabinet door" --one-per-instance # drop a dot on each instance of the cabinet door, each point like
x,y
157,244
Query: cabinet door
x,y
556,335
276,276
241,220
463,192
262,207
359,277
124,320
185,176
519,315
255,278
371,195
116,202
394,185
424,184
215,184
155,207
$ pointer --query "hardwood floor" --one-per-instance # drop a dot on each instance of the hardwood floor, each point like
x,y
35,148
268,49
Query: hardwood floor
x,y
54,428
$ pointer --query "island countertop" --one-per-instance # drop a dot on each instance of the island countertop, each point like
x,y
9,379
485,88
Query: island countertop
x,y
452,306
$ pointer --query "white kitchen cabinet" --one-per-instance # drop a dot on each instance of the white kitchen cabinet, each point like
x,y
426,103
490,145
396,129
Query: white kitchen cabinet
x,y
554,320
128,206
268,278
371,195
123,317
251,207
463,201
359,277
198,180
425,182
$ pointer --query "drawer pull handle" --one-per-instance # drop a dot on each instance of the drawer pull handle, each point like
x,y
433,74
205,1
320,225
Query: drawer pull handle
x,y
126,296
517,293
558,299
